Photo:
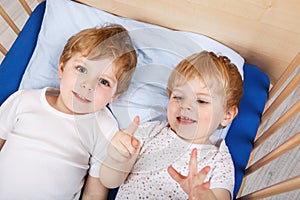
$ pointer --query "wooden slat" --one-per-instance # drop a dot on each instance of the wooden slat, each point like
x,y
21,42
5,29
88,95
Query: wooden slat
x,y
284,186
3,49
251,155
281,97
259,139
279,151
26,7
290,69
295,109
9,21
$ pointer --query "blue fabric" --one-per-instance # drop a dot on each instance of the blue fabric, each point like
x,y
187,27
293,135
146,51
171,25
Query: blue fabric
x,y
243,129
17,58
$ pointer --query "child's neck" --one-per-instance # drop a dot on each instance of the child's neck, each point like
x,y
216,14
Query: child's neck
x,y
203,140
54,103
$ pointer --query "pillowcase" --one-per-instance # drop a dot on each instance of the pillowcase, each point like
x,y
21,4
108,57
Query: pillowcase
x,y
159,51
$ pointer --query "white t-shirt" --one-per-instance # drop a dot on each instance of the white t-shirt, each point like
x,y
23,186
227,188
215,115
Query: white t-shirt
x,y
48,153
161,147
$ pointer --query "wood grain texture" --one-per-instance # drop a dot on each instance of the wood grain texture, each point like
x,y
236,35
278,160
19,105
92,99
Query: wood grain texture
x,y
16,12
286,166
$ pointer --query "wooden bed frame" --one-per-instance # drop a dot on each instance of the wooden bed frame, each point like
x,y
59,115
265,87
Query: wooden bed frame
x,y
266,34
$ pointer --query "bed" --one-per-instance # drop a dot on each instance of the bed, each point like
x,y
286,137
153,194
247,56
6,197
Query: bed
x,y
264,114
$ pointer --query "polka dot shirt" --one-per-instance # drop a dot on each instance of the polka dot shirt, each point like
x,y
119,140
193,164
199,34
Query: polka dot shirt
x,y
161,147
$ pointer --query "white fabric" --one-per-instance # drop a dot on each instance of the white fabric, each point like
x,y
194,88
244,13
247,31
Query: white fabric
x,y
47,152
161,147
159,51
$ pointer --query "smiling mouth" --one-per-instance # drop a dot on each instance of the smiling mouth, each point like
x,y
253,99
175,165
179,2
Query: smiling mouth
x,y
81,98
185,120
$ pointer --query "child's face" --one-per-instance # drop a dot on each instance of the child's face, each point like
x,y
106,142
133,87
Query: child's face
x,y
86,86
193,113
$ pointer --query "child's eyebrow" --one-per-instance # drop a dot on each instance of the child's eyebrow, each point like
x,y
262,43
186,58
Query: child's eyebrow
x,y
176,90
79,62
203,94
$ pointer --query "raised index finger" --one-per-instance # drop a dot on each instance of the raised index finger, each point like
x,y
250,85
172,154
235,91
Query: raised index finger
x,y
193,168
130,130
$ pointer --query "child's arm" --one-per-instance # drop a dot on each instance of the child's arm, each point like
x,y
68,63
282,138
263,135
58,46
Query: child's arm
x,y
194,184
121,156
2,141
94,190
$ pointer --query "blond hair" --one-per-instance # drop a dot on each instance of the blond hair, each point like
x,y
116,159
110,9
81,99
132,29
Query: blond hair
x,y
220,75
110,41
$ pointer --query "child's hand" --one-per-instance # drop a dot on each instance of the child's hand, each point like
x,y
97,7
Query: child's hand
x,y
123,145
193,184
121,156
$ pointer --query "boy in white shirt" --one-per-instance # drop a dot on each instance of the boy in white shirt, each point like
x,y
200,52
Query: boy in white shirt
x,y
50,138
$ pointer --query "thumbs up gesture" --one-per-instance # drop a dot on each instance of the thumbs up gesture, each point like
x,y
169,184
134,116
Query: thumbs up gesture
x,y
124,147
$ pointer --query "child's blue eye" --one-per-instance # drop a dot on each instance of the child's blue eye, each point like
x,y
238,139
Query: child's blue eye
x,y
104,82
178,98
81,69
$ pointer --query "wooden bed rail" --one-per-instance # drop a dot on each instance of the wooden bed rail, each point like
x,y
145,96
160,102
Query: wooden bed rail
x,y
10,22
292,112
279,151
2,49
26,7
287,90
288,83
284,186
286,74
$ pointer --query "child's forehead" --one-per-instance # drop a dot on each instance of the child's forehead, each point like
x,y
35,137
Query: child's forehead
x,y
85,58
194,80
99,63
195,84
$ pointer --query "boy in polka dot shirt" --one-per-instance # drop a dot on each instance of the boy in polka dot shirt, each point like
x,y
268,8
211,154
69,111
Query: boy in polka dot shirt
x,y
158,160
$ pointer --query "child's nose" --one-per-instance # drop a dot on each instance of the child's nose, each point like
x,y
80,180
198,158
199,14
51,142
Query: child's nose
x,y
87,85
186,104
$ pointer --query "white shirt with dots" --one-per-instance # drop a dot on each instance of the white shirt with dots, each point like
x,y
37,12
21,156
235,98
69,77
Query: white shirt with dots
x,y
161,147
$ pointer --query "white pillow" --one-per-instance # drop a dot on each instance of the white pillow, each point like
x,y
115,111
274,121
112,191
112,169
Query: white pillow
x,y
159,51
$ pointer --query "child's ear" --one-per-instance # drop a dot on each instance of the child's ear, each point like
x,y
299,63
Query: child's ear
x,y
60,68
114,98
229,115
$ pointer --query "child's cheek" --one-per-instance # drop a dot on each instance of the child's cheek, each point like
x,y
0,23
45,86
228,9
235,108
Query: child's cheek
x,y
205,118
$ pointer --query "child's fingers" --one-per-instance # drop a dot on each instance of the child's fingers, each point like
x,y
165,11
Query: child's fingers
x,y
205,186
197,190
130,130
193,168
124,145
120,147
117,153
175,175
203,173
130,144
135,142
